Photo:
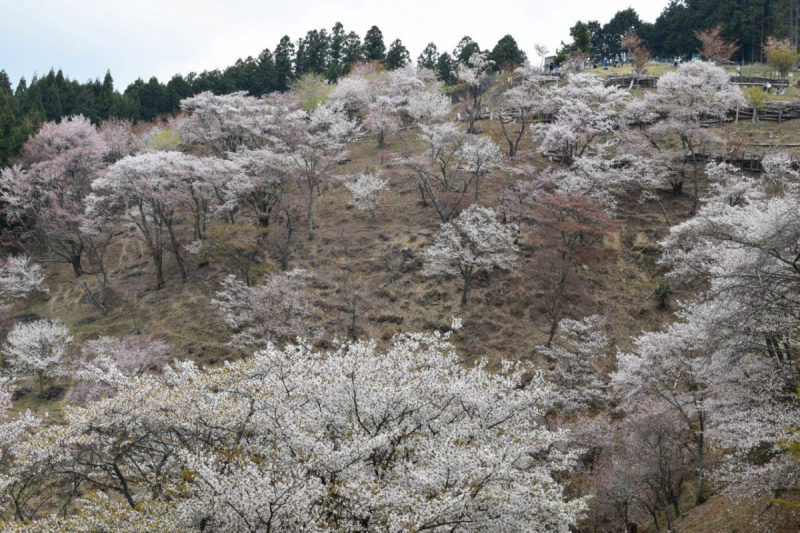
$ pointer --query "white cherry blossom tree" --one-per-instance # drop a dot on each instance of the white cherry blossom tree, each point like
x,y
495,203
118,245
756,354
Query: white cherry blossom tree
x,y
474,242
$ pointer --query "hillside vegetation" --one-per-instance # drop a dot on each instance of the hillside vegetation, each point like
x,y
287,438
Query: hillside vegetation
x,y
551,306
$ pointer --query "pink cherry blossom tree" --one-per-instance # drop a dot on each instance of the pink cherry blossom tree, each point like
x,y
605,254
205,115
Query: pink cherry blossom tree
x,y
46,200
274,311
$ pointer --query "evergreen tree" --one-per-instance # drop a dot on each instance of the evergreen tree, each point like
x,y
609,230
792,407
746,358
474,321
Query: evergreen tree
x,y
312,53
336,50
397,57
83,101
429,57
284,57
22,86
374,49
32,106
506,54
353,51
12,132
105,98
446,69
465,48
178,88
266,77
51,99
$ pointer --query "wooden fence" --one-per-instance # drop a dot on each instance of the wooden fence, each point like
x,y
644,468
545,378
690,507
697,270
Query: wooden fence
x,y
775,111
650,82
629,82
759,81
746,162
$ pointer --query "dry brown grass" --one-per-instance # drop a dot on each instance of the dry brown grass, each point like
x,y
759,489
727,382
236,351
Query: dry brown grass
x,y
504,318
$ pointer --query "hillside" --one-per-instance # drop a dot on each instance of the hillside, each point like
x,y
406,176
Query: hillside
x,y
370,282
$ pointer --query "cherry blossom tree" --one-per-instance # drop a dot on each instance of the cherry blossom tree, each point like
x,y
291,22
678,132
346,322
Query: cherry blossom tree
x,y
119,139
472,243
729,185
47,199
475,74
382,120
391,98
365,189
671,368
132,355
37,348
427,106
575,373
585,109
236,246
480,156
742,246
226,123
19,277
259,186
628,166
153,187
442,178
353,92
520,103
696,92
567,233
148,189
713,47
274,311
299,440
11,431
308,146
637,52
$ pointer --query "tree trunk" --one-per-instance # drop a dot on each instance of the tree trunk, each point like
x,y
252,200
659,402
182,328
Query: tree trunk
x,y
158,262
465,289
311,216
699,498
696,199
553,328
75,261
177,252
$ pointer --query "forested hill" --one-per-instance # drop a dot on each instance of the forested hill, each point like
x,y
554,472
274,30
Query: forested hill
x,y
327,55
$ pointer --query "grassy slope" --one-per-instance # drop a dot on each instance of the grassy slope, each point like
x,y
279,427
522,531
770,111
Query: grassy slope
x,y
504,318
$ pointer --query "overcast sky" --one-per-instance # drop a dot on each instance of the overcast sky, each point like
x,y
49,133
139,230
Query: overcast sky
x,y
142,38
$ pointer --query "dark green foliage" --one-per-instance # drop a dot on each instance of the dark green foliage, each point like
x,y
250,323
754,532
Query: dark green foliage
x,y
606,40
374,49
397,57
581,39
748,22
446,69
662,293
429,57
464,50
353,50
12,129
284,57
506,55
312,53
336,49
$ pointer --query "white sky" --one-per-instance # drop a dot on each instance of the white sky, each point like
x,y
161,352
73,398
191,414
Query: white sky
x,y
142,38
